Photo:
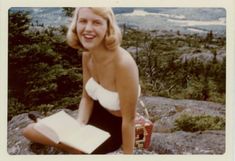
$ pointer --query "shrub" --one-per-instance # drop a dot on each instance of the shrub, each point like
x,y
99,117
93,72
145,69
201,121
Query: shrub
x,y
199,123
14,107
44,108
71,103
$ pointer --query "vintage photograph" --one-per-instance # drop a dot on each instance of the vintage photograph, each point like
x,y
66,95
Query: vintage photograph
x,y
118,80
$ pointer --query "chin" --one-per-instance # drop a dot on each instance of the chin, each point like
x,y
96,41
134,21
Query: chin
x,y
88,48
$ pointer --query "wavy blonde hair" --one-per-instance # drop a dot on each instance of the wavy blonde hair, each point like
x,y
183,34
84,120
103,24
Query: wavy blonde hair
x,y
113,35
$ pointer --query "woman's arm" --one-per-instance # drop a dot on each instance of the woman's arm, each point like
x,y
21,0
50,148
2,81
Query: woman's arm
x,y
85,109
86,103
127,87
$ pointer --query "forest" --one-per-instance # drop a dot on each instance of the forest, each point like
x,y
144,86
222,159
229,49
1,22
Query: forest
x,y
44,73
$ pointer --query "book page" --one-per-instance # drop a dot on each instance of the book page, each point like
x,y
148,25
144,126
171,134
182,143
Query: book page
x,y
47,131
61,123
61,127
86,139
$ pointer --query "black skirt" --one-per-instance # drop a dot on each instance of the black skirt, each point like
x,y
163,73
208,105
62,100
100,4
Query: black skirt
x,y
103,119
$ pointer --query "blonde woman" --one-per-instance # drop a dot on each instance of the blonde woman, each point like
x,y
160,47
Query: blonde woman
x,y
110,80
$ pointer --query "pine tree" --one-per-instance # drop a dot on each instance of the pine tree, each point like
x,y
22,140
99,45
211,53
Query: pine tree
x,y
19,22
68,11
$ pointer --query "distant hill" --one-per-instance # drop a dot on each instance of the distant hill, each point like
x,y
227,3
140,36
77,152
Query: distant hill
x,y
188,20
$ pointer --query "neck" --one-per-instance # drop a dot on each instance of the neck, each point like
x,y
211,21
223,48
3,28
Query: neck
x,y
102,55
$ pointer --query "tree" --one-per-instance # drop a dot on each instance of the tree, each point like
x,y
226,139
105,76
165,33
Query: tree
x,y
209,36
43,70
68,11
19,22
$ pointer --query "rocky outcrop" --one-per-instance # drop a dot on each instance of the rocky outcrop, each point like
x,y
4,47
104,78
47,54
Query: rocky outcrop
x,y
180,142
18,144
163,112
203,56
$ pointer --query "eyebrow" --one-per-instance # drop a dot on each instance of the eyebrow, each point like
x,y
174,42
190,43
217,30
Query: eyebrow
x,y
94,20
78,17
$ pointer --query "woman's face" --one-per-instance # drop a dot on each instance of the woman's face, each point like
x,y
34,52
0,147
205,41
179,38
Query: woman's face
x,y
91,28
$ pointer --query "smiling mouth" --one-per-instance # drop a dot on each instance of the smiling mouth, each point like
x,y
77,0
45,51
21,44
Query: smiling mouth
x,y
88,36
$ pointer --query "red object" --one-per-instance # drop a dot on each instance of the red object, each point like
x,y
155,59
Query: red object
x,y
143,132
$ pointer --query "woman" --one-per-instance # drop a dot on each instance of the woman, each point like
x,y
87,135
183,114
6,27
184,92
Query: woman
x,y
110,80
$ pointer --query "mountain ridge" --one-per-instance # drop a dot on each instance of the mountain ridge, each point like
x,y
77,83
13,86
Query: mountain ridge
x,y
155,18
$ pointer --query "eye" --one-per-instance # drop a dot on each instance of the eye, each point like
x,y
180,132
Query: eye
x,y
97,22
82,21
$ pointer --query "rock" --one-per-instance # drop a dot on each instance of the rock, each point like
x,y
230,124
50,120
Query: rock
x,y
162,111
18,144
180,142
136,151
203,56
210,108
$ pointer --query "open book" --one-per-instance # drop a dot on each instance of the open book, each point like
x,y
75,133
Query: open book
x,y
62,128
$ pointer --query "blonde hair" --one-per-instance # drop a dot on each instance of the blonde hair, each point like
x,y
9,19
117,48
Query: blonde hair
x,y
113,35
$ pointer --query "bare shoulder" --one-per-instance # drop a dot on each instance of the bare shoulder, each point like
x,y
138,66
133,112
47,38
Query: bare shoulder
x,y
126,62
86,57
127,81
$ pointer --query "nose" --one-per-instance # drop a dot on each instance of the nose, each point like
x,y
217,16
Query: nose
x,y
88,27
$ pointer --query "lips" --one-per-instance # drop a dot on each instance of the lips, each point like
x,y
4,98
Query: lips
x,y
88,36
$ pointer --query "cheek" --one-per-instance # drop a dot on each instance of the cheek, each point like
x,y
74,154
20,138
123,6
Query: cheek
x,y
104,30
78,29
